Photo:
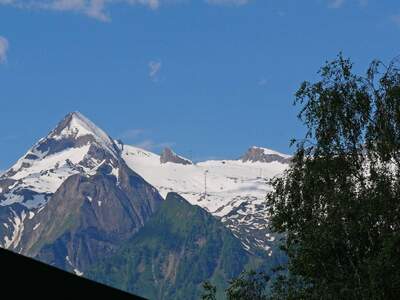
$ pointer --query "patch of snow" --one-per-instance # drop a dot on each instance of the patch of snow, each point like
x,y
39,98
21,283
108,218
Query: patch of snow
x,y
51,162
115,173
78,273
11,198
245,246
37,201
18,224
81,126
43,176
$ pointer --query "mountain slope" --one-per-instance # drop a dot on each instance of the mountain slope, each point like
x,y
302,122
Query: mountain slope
x,y
180,247
77,198
71,199
88,218
233,190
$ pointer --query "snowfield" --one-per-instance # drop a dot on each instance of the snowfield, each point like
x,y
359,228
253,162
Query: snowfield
x,y
232,190
228,182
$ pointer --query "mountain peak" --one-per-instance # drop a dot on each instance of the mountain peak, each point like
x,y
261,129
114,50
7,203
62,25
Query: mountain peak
x,y
76,125
260,154
75,146
170,156
76,130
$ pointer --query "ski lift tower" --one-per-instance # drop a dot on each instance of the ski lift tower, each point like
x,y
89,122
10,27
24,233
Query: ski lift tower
x,y
205,184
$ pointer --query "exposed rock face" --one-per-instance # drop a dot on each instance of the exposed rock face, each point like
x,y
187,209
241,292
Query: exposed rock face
x,y
179,248
72,199
257,154
250,223
88,218
11,221
169,156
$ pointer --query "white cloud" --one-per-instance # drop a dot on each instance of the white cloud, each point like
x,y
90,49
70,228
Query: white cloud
x,y
396,19
340,3
3,49
228,2
336,3
96,9
154,69
151,145
132,134
66,5
154,4
141,138
263,81
363,2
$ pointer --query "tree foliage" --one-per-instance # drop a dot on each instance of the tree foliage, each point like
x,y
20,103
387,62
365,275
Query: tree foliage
x,y
250,285
339,202
209,291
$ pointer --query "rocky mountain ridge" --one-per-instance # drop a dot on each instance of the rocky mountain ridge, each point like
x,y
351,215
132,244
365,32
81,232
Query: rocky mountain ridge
x,y
77,197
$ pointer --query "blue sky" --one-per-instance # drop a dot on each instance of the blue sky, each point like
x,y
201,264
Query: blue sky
x,y
210,78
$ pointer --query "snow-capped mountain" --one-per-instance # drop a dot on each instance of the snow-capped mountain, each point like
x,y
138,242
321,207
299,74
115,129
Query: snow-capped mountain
x,y
78,151
82,202
72,199
233,190
208,184
75,146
